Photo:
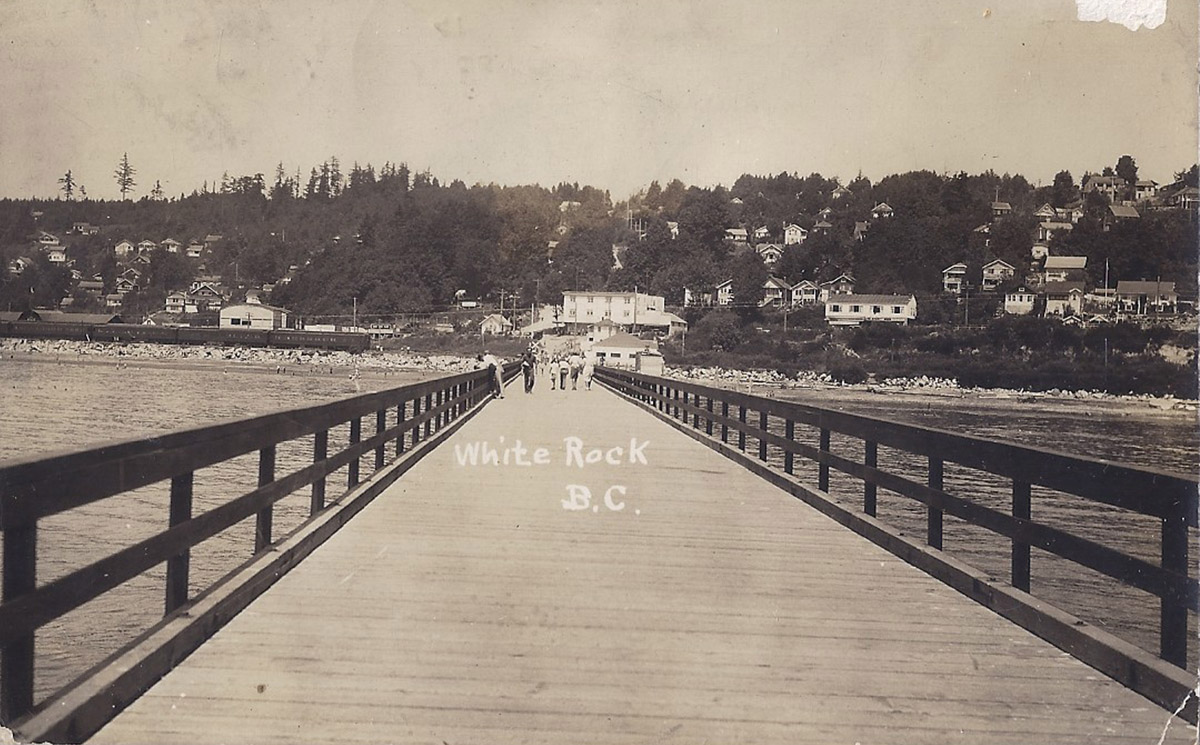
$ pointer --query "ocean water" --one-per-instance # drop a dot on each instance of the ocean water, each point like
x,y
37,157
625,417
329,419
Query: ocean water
x,y
52,404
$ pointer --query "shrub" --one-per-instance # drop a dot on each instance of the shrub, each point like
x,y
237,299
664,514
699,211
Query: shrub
x,y
848,371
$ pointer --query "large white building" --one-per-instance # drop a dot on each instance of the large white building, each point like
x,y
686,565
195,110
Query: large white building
x,y
253,315
583,309
852,310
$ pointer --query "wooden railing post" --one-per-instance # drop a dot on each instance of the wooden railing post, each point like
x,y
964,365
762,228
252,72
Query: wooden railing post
x,y
675,400
266,474
742,428
762,440
441,415
428,420
416,430
683,413
380,426
320,453
708,427
1173,614
934,524
823,468
179,511
870,460
400,423
355,438
16,657
724,424
696,414
789,458
1021,510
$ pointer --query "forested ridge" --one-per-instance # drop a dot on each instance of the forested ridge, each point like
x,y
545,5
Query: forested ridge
x,y
391,241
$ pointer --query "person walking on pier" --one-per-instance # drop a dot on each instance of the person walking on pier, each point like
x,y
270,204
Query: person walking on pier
x,y
589,369
564,367
527,368
496,371
576,363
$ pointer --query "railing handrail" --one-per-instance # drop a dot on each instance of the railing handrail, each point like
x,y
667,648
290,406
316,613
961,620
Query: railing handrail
x,y
37,487
1172,498
1168,493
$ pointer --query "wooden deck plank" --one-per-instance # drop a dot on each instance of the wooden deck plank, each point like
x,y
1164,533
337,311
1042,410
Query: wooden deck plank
x,y
466,605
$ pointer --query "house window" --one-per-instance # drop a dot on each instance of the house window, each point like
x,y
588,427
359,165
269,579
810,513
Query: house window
x,y
628,301
616,355
837,309
896,309
235,322
855,308
875,309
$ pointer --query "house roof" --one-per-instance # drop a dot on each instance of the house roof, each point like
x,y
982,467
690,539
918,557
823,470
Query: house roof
x,y
994,262
843,277
1001,206
822,224
497,318
722,284
1065,262
882,207
604,323
1122,210
794,226
806,284
623,340
871,299
1062,288
776,282
959,267
1144,287
58,316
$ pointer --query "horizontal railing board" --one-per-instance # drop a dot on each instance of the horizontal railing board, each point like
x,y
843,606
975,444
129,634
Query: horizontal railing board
x,y
37,489
1144,490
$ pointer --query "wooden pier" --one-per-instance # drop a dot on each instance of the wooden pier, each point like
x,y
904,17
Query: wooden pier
x,y
700,603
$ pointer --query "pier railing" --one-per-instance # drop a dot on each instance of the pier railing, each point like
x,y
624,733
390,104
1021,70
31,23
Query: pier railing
x,y
727,419
32,490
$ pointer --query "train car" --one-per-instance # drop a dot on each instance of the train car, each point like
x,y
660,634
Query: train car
x,y
288,339
223,336
43,330
134,332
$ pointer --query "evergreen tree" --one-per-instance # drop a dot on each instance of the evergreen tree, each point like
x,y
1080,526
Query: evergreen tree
x,y
67,185
124,176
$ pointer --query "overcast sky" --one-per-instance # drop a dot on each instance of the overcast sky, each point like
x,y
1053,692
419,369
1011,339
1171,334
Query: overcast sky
x,y
612,93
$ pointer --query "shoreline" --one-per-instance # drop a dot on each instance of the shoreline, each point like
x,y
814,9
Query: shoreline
x,y
312,361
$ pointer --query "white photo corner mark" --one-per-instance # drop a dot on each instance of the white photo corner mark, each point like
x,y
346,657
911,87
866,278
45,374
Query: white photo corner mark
x,y
1132,14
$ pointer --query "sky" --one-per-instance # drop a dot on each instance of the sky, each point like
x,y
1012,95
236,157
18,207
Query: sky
x,y
613,94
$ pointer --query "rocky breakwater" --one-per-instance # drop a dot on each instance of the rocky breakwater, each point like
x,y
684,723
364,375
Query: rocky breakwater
x,y
382,361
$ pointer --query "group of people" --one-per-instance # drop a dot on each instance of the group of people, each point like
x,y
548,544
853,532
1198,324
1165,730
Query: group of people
x,y
573,365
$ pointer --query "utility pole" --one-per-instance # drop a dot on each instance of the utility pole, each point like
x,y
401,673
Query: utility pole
x,y
354,318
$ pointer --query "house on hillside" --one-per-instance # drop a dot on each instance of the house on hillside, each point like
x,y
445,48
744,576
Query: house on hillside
x,y
1142,296
769,252
146,246
1118,213
793,234
1019,302
123,248
825,213
761,233
171,245
822,227
621,350
1185,199
840,192
805,292
1110,186
1145,190
860,230
723,293
1063,298
1047,228
45,239
253,315
602,330
176,302
1046,212
775,292
843,284
737,235
1000,209
56,255
1064,268
853,310
953,278
995,273
84,228
674,228
881,211
495,324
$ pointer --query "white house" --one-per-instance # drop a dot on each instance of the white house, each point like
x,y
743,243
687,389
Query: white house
x,y
172,245
997,272
253,315
146,246
840,192
843,284
805,292
123,248
45,239
852,310
495,324
882,211
738,235
1138,297
1063,298
761,233
775,292
793,234
176,302
723,293
953,278
769,252
1019,302
56,255
622,350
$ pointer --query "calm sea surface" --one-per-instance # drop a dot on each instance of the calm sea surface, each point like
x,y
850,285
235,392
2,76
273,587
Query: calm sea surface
x,y
51,405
